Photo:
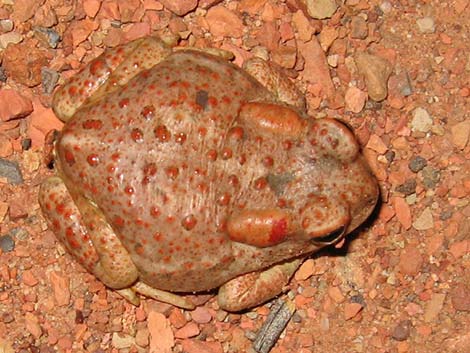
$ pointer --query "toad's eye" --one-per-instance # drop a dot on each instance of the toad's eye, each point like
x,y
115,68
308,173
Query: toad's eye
x,y
331,237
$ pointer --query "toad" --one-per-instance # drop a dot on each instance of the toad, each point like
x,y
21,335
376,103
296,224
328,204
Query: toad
x,y
179,172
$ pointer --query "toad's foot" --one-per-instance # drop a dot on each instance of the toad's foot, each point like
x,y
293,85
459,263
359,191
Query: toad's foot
x,y
166,297
255,288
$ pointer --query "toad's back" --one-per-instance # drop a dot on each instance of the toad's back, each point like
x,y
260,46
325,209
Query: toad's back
x,y
165,161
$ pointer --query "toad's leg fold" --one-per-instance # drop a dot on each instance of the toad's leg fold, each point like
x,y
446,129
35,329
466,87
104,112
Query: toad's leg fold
x,y
108,72
82,229
255,288
283,89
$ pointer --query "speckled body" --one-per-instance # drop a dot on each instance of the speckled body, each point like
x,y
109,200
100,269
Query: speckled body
x,y
167,160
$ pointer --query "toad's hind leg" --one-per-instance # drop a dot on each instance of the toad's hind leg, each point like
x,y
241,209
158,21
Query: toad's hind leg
x,y
83,230
256,288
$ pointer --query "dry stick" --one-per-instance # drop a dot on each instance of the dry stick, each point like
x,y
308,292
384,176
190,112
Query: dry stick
x,y
276,322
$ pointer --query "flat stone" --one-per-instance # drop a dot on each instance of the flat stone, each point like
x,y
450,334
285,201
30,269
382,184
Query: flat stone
x,y
11,171
424,221
410,260
18,106
355,99
180,7
434,306
319,9
223,22
376,72
460,134
426,25
161,335
421,120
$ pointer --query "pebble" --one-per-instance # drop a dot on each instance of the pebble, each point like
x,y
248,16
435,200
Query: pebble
x,y
61,287
417,163
10,38
359,29
460,134
142,337
319,9
29,279
316,70
161,335
121,340
376,71
410,260
180,7
431,177
305,271
351,310
336,295
403,212
421,120
191,329
434,306
50,36
32,325
196,346
426,25
17,107
91,7
201,315
460,248
408,187
7,243
424,221
401,332
355,99
223,22
285,56
6,25
49,79
376,143
301,23
459,297
11,171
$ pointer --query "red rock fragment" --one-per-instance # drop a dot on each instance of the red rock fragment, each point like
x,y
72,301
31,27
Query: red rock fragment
x,y
161,335
179,7
402,210
18,106
410,260
459,297
316,68
42,121
305,271
351,310
23,10
201,315
355,99
32,325
223,22
91,7
60,286
191,329
196,346
29,279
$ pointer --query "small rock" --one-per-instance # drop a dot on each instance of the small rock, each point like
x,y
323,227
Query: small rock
x,y
180,7
6,25
196,346
17,107
327,36
251,7
375,143
316,70
376,72
285,56
417,163
191,329
335,294
91,7
408,187
421,120
49,35
49,80
319,9
268,35
23,10
32,325
403,212
355,99
201,315
223,22
410,260
359,28
305,271
206,4
7,243
459,297
142,337
460,248
424,220
10,38
431,177
426,25
29,279
351,310
161,335
11,171
26,144
121,340
61,287
301,23
460,134
401,332
434,306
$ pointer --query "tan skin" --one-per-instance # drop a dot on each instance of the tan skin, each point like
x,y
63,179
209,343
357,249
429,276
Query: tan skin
x,y
180,172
